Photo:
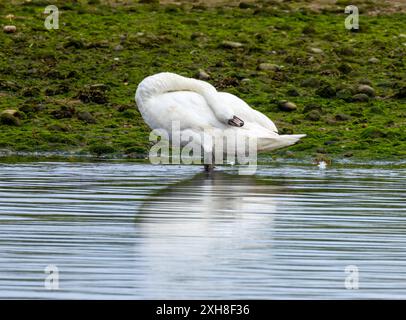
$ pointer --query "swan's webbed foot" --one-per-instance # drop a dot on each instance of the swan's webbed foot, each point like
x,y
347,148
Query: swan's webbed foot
x,y
236,122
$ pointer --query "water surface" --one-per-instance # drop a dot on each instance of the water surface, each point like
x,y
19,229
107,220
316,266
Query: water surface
x,y
137,231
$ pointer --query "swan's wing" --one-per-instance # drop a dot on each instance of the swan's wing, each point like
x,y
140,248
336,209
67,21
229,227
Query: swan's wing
x,y
245,112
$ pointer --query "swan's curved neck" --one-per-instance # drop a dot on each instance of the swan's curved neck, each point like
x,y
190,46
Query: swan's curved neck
x,y
169,82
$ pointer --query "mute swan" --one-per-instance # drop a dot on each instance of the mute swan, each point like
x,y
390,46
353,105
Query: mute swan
x,y
166,97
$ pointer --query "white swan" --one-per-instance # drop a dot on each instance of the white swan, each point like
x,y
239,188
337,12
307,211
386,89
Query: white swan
x,y
198,107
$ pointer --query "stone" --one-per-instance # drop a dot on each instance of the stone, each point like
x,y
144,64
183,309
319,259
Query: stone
x,y
203,75
360,97
313,115
269,67
311,107
327,91
10,29
231,44
9,119
342,117
316,50
368,90
86,117
374,60
287,106
311,83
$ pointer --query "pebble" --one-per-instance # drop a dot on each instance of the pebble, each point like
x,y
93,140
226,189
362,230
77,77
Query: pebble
x,y
287,106
316,50
269,67
368,90
9,29
231,44
203,75
374,60
360,97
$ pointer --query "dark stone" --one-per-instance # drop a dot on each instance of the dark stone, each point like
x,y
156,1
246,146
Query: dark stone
x,y
94,93
342,117
286,106
313,115
86,117
64,112
293,92
401,94
9,119
327,91
311,107
360,97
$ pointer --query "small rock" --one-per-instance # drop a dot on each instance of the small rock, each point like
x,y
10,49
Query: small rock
x,y
203,75
342,117
311,107
86,117
348,154
344,68
368,90
327,91
309,29
63,112
344,94
11,112
245,81
316,50
118,47
366,81
286,106
293,92
311,82
360,97
401,94
247,5
374,60
231,44
196,35
313,115
9,119
10,29
269,67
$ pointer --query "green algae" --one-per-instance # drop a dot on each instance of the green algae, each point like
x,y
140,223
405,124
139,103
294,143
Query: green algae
x,y
94,62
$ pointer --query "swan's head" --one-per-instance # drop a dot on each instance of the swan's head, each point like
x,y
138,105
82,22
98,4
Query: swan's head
x,y
226,115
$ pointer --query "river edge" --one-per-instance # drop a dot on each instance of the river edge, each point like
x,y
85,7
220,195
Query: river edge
x,y
263,160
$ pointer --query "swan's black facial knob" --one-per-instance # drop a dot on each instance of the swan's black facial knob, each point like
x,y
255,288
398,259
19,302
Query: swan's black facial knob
x,y
236,122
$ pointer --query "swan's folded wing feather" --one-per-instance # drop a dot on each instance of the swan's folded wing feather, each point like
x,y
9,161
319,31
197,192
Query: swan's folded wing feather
x,y
246,113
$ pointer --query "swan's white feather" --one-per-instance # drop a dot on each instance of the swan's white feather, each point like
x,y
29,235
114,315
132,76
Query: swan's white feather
x,y
196,105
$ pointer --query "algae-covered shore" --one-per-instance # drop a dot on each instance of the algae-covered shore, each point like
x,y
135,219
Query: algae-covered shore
x,y
72,89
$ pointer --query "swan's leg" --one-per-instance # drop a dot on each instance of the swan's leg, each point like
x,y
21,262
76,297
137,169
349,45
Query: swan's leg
x,y
210,167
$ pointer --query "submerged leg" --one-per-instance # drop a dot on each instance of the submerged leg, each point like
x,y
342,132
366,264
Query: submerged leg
x,y
209,167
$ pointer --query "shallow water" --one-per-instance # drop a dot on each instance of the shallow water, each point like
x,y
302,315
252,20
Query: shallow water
x,y
125,230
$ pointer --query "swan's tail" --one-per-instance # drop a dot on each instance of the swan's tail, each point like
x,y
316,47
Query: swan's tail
x,y
167,82
285,140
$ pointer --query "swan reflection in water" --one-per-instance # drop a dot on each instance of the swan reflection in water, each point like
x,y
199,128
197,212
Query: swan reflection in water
x,y
206,234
